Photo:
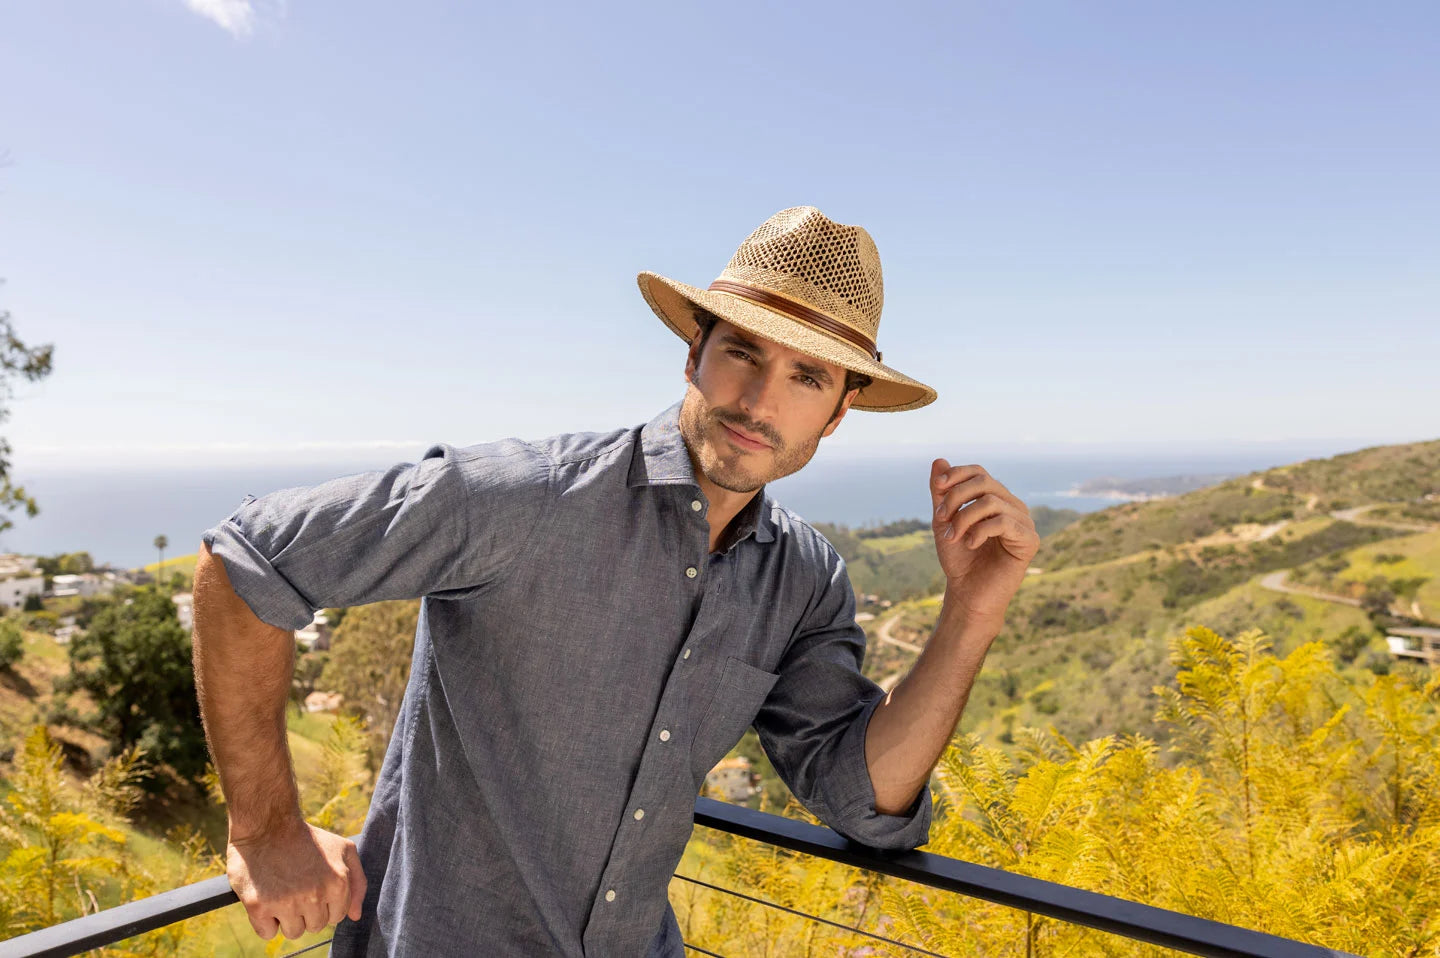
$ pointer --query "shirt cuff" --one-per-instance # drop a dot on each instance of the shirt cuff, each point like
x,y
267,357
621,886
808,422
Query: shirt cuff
x,y
268,593
852,795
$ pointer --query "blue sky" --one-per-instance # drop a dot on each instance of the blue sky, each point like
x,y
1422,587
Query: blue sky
x,y
259,230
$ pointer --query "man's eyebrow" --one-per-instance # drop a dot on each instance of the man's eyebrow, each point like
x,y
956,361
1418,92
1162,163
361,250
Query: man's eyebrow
x,y
737,339
819,373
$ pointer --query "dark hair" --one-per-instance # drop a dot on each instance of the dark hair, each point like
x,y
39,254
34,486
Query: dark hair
x,y
706,320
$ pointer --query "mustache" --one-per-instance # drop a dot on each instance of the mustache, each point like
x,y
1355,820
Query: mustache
x,y
754,428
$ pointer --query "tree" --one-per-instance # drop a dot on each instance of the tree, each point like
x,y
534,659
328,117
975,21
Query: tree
x,y
32,364
160,543
12,643
64,851
1378,596
66,563
1304,803
134,661
370,664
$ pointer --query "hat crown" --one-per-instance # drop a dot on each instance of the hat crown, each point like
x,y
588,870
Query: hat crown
x,y
807,257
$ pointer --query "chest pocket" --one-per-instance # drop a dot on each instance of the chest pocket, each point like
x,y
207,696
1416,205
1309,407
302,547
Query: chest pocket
x,y
738,696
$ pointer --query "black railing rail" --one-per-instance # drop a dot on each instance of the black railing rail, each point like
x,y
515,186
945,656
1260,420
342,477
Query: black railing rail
x,y
1117,916
1128,919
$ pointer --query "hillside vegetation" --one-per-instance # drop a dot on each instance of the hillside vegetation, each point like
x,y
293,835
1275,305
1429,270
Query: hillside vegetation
x,y
1098,748
1086,636
1294,799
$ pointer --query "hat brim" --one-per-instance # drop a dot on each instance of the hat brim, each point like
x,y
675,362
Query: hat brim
x,y
672,301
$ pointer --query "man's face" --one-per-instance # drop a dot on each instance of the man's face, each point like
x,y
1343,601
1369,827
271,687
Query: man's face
x,y
756,410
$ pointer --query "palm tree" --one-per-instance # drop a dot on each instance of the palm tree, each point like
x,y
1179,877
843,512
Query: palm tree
x,y
160,543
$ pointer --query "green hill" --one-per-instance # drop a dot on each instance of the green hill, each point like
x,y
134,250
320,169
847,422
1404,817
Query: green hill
x,y
1384,475
1086,636
1397,473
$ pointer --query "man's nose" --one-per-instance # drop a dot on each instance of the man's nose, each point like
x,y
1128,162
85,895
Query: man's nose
x,y
762,396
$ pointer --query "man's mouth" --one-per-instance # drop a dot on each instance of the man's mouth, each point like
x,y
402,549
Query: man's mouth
x,y
743,440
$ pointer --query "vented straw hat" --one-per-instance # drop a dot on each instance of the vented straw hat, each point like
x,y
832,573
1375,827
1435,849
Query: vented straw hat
x,y
806,282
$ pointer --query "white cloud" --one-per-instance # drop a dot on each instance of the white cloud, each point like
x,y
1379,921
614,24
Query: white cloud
x,y
236,17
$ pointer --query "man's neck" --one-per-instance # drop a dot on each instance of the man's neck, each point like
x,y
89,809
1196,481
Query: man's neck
x,y
725,505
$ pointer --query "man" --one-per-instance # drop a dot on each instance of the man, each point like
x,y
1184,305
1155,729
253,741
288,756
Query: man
x,y
604,615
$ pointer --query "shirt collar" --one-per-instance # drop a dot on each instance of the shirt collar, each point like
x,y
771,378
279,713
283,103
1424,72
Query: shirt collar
x,y
662,459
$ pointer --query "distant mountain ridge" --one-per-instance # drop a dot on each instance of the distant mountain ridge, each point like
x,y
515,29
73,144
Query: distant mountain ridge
x,y
1154,488
1379,475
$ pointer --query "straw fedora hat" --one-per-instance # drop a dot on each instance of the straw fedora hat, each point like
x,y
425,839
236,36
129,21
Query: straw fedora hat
x,y
806,282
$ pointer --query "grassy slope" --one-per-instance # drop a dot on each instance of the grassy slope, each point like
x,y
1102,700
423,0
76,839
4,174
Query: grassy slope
x,y
1377,474
23,698
1299,491
185,564
1422,559
23,691
1087,639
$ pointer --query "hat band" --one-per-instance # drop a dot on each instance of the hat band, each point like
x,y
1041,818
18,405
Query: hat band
x,y
798,311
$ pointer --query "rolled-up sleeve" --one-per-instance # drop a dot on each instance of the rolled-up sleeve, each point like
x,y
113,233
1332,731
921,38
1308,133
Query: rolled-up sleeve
x,y
813,724
446,524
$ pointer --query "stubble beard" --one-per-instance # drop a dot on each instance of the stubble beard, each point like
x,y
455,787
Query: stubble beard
x,y
699,421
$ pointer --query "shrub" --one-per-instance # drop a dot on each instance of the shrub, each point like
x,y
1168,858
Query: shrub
x,y
12,643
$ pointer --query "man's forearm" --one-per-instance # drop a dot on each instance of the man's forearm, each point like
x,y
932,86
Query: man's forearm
x,y
243,669
910,729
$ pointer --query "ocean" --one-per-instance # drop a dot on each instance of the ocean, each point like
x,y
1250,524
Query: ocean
x,y
116,515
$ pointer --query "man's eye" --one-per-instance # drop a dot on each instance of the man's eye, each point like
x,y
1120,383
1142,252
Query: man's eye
x,y
740,354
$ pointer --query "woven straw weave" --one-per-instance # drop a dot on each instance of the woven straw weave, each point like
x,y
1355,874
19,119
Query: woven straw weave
x,y
819,265
833,267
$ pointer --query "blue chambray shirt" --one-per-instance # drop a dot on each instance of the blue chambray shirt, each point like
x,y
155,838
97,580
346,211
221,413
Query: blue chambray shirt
x,y
581,661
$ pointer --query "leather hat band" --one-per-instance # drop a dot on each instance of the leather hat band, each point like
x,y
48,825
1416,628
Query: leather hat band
x,y
798,311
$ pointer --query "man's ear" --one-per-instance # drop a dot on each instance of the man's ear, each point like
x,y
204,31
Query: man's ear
x,y
692,359
844,408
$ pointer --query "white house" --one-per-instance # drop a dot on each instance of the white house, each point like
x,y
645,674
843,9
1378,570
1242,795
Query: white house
x,y
316,635
14,591
732,779
83,584
12,564
1422,645
185,609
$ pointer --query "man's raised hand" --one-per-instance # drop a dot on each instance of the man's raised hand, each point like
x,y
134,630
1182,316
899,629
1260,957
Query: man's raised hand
x,y
984,537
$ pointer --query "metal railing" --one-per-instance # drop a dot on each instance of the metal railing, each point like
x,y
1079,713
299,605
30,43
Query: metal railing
x,y
1117,916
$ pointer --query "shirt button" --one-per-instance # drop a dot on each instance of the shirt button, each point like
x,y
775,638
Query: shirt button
x,y
686,654
695,505
664,735
610,895
692,572
639,814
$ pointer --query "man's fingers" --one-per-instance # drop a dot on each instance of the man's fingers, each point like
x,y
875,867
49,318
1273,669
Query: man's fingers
x,y
264,927
961,493
292,926
983,508
994,527
942,477
357,880
952,488
316,916
938,468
